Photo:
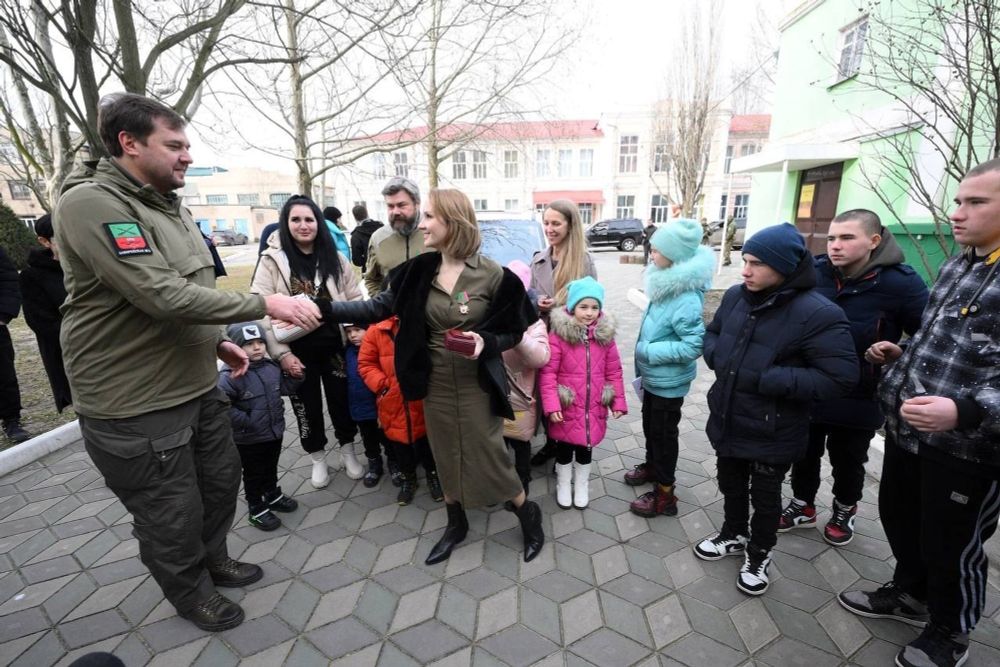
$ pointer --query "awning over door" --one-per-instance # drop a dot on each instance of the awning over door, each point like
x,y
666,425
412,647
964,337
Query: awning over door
x,y
798,157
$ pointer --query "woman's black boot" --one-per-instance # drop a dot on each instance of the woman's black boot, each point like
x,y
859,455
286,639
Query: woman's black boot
x,y
548,451
455,532
530,516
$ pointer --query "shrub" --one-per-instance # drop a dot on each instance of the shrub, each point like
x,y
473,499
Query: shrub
x,y
16,238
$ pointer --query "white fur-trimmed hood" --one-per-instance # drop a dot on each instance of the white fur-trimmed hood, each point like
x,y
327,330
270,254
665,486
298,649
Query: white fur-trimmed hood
x,y
572,332
693,275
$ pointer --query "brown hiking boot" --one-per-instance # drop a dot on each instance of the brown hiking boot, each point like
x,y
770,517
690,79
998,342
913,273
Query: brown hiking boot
x,y
655,502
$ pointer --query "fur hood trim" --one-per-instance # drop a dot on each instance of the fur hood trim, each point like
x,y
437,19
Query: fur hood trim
x,y
693,275
564,324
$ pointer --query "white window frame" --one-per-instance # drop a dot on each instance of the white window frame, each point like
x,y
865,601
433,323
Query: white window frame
x,y
586,213
741,204
661,159
400,161
378,162
729,159
542,158
628,154
278,199
217,200
723,207
852,49
510,164
248,199
659,208
479,165
480,205
625,206
459,171
586,162
19,190
565,163
511,204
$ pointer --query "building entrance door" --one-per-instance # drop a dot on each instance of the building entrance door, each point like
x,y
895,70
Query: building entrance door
x,y
816,204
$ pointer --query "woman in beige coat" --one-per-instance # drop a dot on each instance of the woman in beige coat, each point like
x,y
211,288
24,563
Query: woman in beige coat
x,y
302,259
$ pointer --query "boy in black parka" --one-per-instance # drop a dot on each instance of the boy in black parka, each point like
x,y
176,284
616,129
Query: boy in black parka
x,y
258,417
776,345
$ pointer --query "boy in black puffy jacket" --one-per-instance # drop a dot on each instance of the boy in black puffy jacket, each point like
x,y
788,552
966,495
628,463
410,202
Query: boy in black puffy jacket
x,y
776,345
258,417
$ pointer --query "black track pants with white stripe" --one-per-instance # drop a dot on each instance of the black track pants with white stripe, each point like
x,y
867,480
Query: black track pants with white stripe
x,y
937,519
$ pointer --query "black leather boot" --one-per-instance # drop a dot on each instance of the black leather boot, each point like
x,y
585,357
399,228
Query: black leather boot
x,y
548,451
215,614
455,532
530,516
231,573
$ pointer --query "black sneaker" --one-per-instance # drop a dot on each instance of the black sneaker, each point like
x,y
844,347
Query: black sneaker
x,y
279,502
889,601
15,432
936,646
263,518
434,484
407,490
374,474
232,573
214,614
395,475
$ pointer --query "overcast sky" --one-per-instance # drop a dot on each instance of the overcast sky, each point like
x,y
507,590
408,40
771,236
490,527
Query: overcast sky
x,y
619,65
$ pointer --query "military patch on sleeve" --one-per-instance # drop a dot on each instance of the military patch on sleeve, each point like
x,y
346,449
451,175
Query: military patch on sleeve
x,y
127,239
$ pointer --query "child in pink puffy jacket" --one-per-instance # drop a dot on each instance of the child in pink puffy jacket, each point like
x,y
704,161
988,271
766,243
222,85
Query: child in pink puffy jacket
x,y
579,385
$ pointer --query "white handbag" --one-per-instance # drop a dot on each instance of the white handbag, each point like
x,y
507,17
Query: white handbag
x,y
292,333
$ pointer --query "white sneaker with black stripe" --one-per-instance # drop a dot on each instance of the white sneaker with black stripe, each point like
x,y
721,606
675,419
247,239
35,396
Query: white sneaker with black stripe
x,y
720,546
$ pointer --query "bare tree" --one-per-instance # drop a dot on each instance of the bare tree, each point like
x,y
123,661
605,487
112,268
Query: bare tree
x,y
471,64
329,90
937,62
57,58
684,121
751,78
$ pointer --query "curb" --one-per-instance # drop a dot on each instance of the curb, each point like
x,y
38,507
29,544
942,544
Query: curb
x,y
30,451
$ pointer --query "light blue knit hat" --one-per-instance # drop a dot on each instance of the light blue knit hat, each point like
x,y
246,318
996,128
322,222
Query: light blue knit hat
x,y
584,288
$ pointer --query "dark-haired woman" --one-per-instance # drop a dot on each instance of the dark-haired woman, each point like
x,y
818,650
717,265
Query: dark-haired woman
x,y
303,259
459,376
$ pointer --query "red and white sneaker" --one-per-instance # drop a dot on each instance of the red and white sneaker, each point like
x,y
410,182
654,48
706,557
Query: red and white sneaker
x,y
840,529
796,515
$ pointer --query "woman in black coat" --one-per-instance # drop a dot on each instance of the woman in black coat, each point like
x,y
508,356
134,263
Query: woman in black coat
x,y
42,293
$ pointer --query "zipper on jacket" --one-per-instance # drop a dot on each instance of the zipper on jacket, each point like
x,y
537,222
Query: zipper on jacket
x,y
586,406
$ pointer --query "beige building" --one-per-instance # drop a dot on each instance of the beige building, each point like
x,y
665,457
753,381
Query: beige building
x,y
241,199
612,167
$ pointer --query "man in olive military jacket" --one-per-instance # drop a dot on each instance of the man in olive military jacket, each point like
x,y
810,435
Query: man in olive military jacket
x,y
140,339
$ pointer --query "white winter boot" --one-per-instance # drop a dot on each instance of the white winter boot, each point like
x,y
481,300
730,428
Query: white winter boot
x,y
564,489
581,485
320,474
354,469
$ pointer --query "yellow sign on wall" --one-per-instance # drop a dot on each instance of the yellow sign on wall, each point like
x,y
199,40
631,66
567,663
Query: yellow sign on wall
x,y
806,195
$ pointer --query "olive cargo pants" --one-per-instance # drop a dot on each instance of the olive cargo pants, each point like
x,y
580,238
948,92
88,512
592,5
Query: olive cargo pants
x,y
178,472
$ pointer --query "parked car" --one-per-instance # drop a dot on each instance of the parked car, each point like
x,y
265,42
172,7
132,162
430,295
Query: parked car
x,y
503,241
741,230
625,233
228,237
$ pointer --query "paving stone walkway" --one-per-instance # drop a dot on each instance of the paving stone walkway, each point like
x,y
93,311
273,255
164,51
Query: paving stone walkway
x,y
345,580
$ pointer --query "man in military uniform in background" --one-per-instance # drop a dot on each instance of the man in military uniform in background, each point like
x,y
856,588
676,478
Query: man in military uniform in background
x,y
140,343
727,243
398,241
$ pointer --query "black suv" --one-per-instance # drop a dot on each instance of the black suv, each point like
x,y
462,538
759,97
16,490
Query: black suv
x,y
626,233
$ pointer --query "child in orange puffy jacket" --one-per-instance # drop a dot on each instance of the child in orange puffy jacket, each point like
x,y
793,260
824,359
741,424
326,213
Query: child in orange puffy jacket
x,y
402,420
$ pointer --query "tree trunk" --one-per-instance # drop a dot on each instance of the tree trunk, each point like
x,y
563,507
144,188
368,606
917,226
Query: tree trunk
x,y
299,129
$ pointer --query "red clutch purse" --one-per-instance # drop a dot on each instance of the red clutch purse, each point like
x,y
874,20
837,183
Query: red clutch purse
x,y
455,341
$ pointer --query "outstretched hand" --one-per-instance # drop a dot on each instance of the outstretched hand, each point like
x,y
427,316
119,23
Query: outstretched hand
x,y
299,312
233,356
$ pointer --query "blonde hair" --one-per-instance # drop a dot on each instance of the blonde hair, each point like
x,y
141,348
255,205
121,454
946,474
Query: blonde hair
x,y
573,264
455,210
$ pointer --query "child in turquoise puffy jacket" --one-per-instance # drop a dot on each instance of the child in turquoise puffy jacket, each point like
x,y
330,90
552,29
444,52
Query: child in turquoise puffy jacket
x,y
670,340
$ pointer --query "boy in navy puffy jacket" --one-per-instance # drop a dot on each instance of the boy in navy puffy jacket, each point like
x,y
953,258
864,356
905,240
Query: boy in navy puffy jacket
x,y
258,417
